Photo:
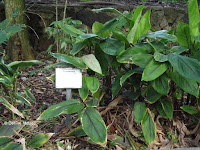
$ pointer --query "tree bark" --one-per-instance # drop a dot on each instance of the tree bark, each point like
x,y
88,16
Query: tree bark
x,y
19,47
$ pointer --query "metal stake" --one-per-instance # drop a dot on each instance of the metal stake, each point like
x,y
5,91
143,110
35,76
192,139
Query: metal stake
x,y
68,96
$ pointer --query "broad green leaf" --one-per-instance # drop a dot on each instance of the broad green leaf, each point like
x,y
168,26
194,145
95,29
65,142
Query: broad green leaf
x,y
11,107
24,64
93,125
153,70
189,109
39,140
132,32
130,54
13,29
183,35
158,46
178,49
116,87
193,14
77,132
77,62
6,70
139,111
188,85
87,36
9,130
152,95
143,27
112,46
91,61
4,141
161,84
30,95
103,59
142,60
84,91
187,67
91,102
92,83
69,29
148,128
111,9
163,34
78,46
128,74
120,35
167,107
22,99
4,23
137,12
96,27
69,106
160,110
160,57
3,37
13,146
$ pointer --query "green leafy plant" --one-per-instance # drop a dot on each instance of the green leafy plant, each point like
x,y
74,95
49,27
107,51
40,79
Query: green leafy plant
x,y
9,73
143,63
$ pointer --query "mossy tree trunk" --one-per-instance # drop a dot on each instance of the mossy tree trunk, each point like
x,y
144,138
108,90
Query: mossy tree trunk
x,y
19,47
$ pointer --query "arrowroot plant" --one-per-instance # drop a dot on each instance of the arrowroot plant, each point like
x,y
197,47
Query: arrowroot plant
x,y
146,68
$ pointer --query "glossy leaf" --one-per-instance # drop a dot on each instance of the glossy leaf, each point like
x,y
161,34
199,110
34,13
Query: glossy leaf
x,y
69,106
189,109
93,125
193,14
91,61
142,60
137,12
92,83
9,130
163,34
103,59
161,84
188,85
84,91
13,146
143,27
160,57
24,64
130,54
4,141
77,132
178,49
69,29
187,67
39,140
167,107
78,46
148,128
112,46
152,95
91,102
139,111
11,107
160,110
132,32
96,27
87,36
77,62
153,70
183,35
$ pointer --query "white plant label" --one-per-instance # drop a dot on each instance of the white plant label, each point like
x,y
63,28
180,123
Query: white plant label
x,y
68,78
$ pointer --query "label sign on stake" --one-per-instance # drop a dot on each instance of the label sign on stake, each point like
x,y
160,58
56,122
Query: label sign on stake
x,y
68,78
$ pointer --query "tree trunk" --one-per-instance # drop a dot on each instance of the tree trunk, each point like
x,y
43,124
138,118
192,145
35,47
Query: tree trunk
x,y
19,47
